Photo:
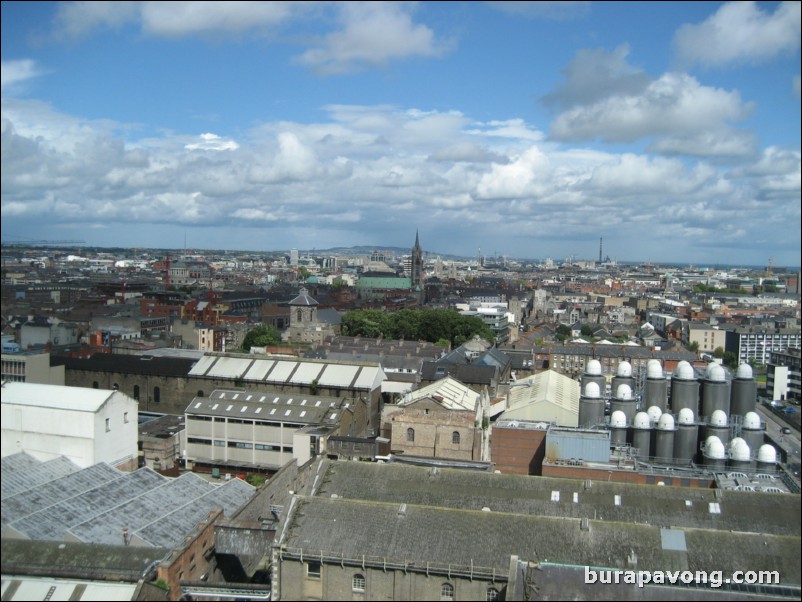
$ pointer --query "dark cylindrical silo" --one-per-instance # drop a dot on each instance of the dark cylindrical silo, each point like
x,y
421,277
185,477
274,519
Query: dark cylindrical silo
x,y
664,439
624,401
684,389
593,374
655,389
618,428
743,396
686,439
752,431
642,434
715,391
713,453
623,376
591,406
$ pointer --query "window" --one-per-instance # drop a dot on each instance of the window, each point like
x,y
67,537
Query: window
x,y
492,594
136,392
358,583
108,428
200,393
410,434
95,384
313,570
157,394
446,592
125,417
455,438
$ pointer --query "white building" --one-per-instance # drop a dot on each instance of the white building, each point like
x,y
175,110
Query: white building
x,y
87,426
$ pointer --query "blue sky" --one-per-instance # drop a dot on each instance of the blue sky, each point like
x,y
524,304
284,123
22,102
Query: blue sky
x,y
525,129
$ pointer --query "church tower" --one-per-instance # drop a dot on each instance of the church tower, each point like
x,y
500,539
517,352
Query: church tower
x,y
416,272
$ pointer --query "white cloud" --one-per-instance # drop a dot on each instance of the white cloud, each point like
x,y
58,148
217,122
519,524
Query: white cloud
x,y
740,32
78,19
719,143
674,104
15,73
334,178
212,142
173,19
593,75
373,34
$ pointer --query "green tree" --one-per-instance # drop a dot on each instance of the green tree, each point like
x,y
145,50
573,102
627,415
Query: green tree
x,y
694,346
718,352
587,331
261,336
730,359
563,332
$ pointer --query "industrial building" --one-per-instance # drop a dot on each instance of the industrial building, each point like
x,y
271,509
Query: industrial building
x,y
391,531
86,425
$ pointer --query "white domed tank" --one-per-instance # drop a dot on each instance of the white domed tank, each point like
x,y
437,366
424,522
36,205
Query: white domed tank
x,y
718,418
714,454
715,391
642,421
740,454
624,401
654,414
623,376
718,426
685,416
664,439
655,389
684,389
686,438
618,428
591,406
743,391
767,458
593,374
752,430
641,434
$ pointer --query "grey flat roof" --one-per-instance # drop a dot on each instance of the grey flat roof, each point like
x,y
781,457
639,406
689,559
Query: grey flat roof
x,y
428,537
519,494
269,407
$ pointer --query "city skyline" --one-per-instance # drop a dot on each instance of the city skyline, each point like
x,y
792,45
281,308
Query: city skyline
x,y
528,130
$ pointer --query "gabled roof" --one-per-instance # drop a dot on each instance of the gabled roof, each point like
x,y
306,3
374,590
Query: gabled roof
x,y
548,396
448,392
57,397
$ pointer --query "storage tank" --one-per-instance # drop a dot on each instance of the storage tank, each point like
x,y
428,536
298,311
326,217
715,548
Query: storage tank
x,y
623,376
767,458
664,439
715,391
686,438
713,453
618,428
740,455
743,394
684,389
591,406
624,401
752,430
655,389
718,426
593,374
642,434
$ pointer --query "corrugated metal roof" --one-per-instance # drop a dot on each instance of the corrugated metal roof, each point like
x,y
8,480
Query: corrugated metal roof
x,y
306,373
229,367
337,376
551,397
367,377
259,369
202,367
282,371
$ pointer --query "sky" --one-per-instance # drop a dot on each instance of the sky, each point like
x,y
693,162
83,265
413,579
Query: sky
x,y
671,130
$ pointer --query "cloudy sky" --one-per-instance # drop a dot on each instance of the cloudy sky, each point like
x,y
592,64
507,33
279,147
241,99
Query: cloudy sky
x,y
526,129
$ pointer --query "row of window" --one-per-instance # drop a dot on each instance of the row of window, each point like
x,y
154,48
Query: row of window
x,y
239,444
455,436
359,583
198,418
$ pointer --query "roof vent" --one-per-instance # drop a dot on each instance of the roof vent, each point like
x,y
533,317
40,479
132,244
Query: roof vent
x,y
584,524
402,510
